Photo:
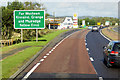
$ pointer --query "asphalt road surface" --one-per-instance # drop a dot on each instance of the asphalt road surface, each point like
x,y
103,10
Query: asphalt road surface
x,y
78,57
95,42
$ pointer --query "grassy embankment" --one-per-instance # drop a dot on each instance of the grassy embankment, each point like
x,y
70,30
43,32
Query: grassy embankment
x,y
110,33
12,63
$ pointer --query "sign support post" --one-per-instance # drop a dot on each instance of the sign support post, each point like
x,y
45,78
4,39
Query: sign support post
x,y
49,26
36,35
21,35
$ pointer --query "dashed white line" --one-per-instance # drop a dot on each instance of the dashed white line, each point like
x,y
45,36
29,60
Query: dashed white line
x,y
91,59
50,51
59,43
54,47
100,78
47,54
45,57
28,74
85,43
87,49
41,60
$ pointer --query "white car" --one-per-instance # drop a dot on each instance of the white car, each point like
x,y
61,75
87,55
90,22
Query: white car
x,y
90,27
95,28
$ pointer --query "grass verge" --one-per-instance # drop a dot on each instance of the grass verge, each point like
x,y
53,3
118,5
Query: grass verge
x,y
47,38
12,63
110,33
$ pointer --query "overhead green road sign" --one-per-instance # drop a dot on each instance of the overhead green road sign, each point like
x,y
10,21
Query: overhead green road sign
x,y
29,19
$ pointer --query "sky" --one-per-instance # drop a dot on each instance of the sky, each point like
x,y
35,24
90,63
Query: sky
x,y
102,8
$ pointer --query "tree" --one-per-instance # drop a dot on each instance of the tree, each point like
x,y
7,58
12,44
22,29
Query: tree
x,y
7,17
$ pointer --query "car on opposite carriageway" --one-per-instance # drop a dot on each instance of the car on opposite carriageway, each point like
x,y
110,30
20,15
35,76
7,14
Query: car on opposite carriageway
x,y
112,54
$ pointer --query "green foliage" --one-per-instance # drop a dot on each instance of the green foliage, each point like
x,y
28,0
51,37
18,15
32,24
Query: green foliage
x,y
29,34
94,20
12,63
7,18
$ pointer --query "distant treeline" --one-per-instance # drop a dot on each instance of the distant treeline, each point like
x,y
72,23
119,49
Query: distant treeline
x,y
94,20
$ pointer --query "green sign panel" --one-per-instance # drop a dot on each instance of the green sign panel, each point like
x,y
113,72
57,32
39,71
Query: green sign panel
x,y
29,19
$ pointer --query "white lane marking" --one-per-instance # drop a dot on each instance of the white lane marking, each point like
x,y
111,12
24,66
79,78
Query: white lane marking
x,y
91,59
85,43
100,78
47,54
85,40
89,53
41,60
58,43
54,48
28,74
104,36
45,57
50,51
87,49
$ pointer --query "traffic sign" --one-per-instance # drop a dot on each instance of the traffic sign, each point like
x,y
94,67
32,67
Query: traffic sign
x,y
98,23
29,19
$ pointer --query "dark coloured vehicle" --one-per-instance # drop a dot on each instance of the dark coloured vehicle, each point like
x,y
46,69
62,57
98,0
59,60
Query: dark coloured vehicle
x,y
112,54
95,28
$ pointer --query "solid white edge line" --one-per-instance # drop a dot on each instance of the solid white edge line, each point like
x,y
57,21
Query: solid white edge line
x,y
28,74
100,78
91,59
104,36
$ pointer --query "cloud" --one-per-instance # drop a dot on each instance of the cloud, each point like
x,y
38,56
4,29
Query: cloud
x,y
80,0
83,8
4,2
